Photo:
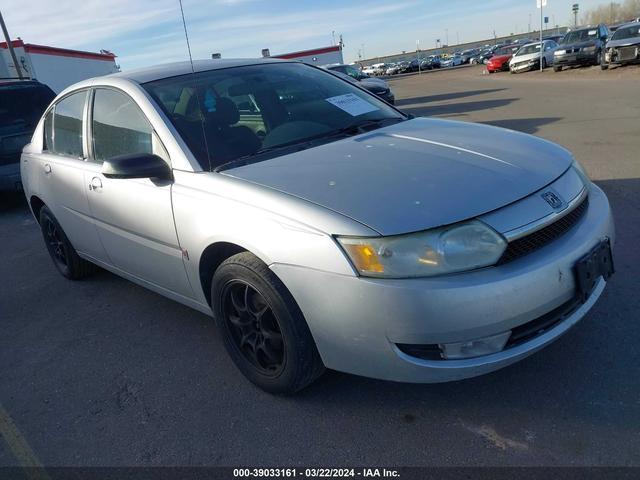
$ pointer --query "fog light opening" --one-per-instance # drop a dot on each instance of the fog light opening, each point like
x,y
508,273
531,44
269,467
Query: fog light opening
x,y
475,348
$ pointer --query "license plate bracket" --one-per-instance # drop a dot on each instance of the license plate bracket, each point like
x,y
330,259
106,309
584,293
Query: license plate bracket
x,y
597,263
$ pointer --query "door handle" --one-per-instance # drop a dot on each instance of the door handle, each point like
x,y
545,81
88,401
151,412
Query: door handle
x,y
95,184
47,168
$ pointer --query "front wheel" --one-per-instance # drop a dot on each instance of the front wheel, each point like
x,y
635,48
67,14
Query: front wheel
x,y
262,327
64,256
544,63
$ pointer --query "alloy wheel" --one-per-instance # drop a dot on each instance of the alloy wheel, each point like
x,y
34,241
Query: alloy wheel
x,y
55,243
253,327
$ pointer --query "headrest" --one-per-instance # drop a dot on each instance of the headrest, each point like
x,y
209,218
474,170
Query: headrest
x,y
221,111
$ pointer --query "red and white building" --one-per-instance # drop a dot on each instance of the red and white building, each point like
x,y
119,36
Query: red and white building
x,y
317,56
56,67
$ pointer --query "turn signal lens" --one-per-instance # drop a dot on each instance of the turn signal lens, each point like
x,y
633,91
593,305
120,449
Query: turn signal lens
x,y
365,258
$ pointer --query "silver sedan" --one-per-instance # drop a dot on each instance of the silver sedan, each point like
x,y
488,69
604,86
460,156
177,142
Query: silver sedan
x,y
318,225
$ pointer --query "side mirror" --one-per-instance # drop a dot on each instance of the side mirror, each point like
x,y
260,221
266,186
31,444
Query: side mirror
x,y
137,165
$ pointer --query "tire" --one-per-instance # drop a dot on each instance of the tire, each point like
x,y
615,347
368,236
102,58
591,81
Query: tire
x,y
544,63
262,327
557,69
64,256
603,62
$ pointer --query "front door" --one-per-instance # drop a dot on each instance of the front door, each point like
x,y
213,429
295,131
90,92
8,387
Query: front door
x,y
134,217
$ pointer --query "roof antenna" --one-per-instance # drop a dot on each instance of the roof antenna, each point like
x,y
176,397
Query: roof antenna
x,y
195,89
186,35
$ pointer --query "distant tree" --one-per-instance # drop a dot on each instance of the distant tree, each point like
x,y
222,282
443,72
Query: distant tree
x,y
612,12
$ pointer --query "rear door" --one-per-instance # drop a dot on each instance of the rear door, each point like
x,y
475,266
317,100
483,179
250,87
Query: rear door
x,y
61,167
134,217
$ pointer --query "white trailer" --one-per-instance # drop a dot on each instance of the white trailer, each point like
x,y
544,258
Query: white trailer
x,y
319,56
56,67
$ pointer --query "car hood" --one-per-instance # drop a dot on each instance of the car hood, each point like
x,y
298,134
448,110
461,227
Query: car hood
x,y
374,85
571,46
623,42
416,174
524,58
500,58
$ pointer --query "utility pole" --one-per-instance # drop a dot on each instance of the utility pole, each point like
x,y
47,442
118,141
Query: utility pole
x,y
541,4
362,47
446,30
10,46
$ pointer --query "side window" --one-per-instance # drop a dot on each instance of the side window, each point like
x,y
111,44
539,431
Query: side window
x,y
118,125
63,126
352,72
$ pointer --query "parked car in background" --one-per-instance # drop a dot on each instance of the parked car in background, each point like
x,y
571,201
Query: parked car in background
x,y
22,103
500,59
351,70
368,70
584,46
434,61
376,86
393,68
413,66
528,56
624,46
555,38
378,69
453,61
329,241
467,55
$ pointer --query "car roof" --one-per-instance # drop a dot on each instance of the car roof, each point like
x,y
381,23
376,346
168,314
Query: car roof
x,y
628,24
167,70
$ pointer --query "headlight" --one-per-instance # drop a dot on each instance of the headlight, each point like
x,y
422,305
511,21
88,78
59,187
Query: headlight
x,y
456,248
589,49
559,52
577,166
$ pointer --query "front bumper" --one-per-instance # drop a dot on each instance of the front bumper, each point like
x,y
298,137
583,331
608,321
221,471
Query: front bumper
x,y
525,66
358,323
498,67
579,58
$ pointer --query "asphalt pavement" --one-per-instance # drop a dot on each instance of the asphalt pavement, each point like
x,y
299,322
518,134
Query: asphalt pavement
x,y
102,372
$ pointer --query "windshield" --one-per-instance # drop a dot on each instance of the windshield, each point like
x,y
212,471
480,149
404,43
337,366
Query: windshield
x,y
528,49
627,32
244,112
21,106
506,50
580,36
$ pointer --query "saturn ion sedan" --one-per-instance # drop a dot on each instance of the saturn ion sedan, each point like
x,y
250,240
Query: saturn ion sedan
x,y
319,226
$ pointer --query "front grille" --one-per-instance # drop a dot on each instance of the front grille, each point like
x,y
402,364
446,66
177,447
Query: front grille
x,y
532,242
627,53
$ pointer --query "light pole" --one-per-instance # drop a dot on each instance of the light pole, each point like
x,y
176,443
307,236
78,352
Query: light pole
x,y
446,30
362,47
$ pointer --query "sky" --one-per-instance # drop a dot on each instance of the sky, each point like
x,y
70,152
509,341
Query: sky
x,y
146,32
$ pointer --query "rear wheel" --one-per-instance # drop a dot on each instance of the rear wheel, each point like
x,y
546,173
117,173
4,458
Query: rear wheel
x,y
263,328
64,256
557,69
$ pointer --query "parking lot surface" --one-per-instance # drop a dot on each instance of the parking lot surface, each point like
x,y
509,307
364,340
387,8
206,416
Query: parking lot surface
x,y
103,372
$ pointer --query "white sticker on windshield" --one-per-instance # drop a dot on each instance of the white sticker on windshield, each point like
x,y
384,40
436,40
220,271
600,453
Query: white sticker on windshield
x,y
352,104
592,32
